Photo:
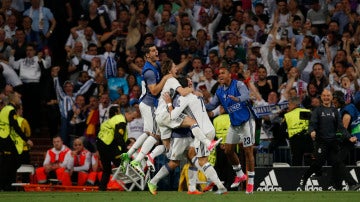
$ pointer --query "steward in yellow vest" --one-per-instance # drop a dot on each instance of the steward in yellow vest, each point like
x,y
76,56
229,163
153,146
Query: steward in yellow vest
x,y
25,155
297,121
295,125
111,140
11,142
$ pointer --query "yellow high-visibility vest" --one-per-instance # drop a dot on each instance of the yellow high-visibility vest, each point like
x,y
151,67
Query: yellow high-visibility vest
x,y
107,129
5,129
4,121
294,124
25,128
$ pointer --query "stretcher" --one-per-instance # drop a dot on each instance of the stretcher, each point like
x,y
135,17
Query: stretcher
x,y
59,188
51,188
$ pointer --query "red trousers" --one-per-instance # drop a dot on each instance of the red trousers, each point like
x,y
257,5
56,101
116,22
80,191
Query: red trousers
x,y
41,175
82,177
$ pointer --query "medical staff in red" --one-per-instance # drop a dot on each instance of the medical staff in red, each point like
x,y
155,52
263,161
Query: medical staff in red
x,y
54,162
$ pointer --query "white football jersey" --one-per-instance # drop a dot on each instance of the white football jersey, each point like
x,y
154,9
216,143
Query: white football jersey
x,y
170,87
194,107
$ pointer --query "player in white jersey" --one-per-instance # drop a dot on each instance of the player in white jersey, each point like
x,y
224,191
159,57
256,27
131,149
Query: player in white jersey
x,y
193,106
163,120
171,87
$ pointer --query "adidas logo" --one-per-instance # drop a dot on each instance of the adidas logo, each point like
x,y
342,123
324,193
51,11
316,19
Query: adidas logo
x,y
269,183
311,185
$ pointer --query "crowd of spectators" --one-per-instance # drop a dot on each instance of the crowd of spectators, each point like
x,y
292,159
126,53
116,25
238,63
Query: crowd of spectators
x,y
72,61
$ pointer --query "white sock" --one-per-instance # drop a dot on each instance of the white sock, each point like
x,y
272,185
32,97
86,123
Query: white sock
x,y
251,176
195,162
163,172
211,175
145,148
238,170
197,132
160,149
137,144
192,173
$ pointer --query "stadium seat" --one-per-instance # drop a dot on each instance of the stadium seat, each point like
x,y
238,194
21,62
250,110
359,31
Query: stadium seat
x,y
25,168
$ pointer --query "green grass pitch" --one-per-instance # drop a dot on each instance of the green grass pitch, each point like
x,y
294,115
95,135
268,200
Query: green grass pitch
x,y
173,196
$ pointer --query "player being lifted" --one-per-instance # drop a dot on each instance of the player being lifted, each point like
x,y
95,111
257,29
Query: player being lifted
x,y
193,106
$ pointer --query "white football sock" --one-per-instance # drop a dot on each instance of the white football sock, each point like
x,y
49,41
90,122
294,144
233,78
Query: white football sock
x,y
238,170
251,176
197,132
192,173
163,172
137,144
211,175
145,148
160,149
